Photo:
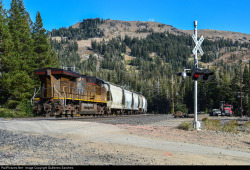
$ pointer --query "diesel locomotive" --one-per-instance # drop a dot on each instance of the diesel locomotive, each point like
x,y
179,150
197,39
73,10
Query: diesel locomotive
x,y
67,93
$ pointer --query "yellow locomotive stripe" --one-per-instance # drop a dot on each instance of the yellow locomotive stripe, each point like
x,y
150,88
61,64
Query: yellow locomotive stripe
x,y
97,101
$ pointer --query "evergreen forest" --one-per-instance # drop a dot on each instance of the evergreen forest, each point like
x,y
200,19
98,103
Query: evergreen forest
x,y
24,47
145,65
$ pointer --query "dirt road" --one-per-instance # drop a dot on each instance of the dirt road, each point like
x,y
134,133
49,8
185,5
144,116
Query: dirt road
x,y
81,142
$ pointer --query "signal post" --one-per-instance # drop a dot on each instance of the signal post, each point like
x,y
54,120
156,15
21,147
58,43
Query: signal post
x,y
195,50
196,73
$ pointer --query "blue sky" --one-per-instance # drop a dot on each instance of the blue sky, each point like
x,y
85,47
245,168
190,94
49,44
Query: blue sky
x,y
228,15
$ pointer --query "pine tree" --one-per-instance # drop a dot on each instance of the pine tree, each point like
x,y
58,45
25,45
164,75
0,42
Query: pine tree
x,y
19,65
245,78
5,52
245,89
19,25
6,43
235,86
44,55
23,48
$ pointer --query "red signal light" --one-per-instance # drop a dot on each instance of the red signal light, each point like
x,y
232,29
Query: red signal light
x,y
201,73
196,75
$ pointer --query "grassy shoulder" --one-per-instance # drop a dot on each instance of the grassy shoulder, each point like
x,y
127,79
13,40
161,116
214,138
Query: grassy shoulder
x,y
231,126
24,109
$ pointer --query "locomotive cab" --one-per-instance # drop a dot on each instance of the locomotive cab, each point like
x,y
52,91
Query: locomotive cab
x,y
65,92
56,86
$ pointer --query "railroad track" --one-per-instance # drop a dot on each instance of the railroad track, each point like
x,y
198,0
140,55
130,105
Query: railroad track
x,y
138,119
78,117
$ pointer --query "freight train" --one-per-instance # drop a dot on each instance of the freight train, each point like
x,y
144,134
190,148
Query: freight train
x,y
67,93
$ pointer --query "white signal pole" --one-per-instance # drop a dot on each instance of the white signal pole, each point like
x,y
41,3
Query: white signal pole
x,y
195,82
196,72
195,52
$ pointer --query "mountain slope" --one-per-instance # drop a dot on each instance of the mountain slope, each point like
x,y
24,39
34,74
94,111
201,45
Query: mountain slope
x,y
143,56
113,28
116,28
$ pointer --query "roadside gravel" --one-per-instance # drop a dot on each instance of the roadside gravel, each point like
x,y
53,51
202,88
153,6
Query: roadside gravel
x,y
125,140
144,119
36,149
165,127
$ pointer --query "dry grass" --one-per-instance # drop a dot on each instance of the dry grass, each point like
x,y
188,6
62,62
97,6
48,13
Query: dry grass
x,y
215,125
211,124
247,126
231,126
185,126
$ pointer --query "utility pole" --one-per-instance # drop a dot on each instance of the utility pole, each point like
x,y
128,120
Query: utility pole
x,y
172,94
249,91
241,88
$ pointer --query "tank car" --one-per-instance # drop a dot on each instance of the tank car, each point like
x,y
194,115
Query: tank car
x,y
115,99
128,101
135,103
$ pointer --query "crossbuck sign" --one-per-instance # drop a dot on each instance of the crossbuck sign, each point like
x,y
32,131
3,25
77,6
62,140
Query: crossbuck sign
x,y
197,45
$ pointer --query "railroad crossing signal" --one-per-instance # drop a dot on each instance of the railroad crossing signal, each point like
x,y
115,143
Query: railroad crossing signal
x,y
196,74
199,73
198,45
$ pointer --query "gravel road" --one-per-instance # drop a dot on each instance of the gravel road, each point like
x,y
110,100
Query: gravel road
x,y
143,119
135,140
38,149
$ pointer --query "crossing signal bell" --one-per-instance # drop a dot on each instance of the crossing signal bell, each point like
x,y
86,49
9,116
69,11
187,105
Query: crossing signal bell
x,y
184,74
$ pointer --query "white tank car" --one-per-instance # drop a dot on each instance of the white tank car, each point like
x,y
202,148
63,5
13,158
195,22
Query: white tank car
x,y
127,100
136,102
144,100
114,97
140,102
122,101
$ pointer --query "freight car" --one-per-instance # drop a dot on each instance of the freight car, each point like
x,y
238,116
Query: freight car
x,y
65,92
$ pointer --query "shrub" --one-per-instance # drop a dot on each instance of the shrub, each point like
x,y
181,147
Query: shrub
x,y
204,119
247,126
211,124
186,126
215,125
231,126
24,109
178,114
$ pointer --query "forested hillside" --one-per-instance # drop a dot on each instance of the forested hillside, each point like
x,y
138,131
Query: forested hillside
x,y
146,65
24,47
87,29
